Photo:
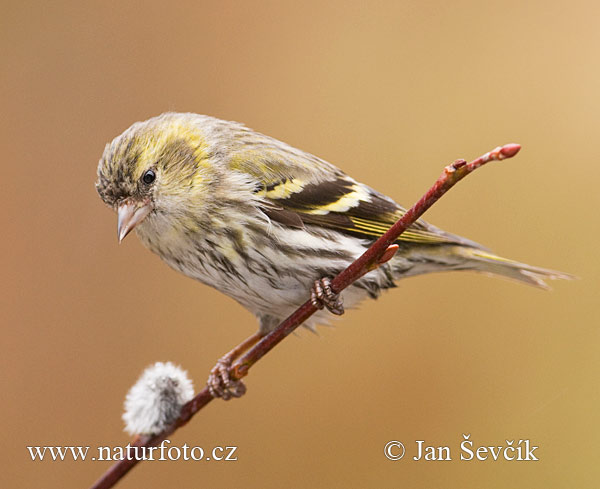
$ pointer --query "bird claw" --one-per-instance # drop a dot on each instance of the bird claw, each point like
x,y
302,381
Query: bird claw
x,y
220,384
322,295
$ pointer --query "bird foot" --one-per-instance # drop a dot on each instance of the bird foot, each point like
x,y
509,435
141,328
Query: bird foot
x,y
321,295
220,383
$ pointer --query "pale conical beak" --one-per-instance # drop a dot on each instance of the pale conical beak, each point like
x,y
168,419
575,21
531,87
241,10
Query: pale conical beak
x,y
130,215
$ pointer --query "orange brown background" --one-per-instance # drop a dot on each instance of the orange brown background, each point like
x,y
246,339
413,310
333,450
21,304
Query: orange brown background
x,y
390,92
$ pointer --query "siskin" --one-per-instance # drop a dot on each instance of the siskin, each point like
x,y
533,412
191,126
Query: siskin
x,y
266,223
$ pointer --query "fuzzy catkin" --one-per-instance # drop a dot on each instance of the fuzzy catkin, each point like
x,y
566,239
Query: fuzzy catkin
x,y
156,399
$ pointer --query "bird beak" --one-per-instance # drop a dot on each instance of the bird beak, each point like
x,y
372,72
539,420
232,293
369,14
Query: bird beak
x,y
130,215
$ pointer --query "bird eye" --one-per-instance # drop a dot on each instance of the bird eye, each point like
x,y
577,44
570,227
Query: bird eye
x,y
149,177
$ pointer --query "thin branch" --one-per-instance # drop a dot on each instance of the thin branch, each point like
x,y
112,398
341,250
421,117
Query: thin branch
x,y
378,253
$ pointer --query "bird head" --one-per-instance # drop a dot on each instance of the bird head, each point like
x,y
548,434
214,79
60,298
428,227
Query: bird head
x,y
157,168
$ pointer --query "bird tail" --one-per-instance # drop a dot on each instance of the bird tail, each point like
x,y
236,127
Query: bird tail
x,y
486,262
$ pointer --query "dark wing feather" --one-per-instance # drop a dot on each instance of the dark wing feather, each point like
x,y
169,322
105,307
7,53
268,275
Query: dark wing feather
x,y
346,206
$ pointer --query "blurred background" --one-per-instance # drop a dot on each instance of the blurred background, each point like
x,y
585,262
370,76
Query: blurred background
x,y
390,92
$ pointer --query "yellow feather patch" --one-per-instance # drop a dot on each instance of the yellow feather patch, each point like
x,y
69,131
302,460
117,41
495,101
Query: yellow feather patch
x,y
379,228
344,203
283,190
172,131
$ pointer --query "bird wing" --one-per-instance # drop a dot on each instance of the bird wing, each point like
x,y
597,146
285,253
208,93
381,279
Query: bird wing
x,y
342,204
299,189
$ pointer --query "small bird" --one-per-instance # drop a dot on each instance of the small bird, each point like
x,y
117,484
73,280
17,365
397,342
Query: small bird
x,y
267,224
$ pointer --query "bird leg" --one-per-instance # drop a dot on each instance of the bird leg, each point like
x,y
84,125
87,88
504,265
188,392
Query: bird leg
x,y
220,383
322,295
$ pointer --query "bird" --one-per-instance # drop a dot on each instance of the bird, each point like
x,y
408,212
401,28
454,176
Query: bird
x,y
267,224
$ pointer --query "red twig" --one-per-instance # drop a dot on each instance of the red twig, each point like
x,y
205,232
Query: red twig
x,y
378,253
